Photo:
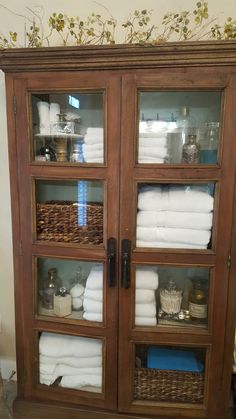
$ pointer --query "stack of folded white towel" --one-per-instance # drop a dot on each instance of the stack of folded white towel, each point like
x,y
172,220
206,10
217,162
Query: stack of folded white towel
x,y
153,147
77,296
77,360
175,216
145,296
93,295
93,145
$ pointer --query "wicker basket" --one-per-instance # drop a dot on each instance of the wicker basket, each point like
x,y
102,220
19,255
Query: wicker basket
x,y
58,221
170,386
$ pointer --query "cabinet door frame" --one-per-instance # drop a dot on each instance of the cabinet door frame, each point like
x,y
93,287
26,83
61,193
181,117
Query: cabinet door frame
x,y
223,173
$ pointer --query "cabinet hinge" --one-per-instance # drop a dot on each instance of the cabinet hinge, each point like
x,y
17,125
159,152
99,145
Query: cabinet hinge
x,y
14,105
229,262
20,248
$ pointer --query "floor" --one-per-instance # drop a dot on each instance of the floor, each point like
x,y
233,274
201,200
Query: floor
x,y
8,393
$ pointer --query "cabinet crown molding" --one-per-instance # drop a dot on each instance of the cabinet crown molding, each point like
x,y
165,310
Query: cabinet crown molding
x,y
102,57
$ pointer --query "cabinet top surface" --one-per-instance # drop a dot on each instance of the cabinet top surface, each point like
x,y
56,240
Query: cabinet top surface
x,y
118,57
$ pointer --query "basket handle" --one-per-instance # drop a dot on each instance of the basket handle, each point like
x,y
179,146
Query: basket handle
x,y
111,261
125,263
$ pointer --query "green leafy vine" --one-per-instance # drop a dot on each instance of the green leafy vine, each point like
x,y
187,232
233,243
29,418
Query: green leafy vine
x,y
138,28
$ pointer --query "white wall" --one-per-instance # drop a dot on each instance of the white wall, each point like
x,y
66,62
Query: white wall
x,y
120,10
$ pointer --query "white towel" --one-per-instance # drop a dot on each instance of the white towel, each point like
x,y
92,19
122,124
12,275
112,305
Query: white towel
x,y
47,379
96,295
77,382
174,198
166,245
153,141
145,310
93,147
92,306
77,290
172,235
145,159
95,278
61,369
77,303
146,278
145,321
196,220
72,361
154,151
52,344
93,317
144,296
44,118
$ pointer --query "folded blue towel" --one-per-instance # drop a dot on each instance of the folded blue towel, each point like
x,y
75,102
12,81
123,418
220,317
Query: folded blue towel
x,y
173,359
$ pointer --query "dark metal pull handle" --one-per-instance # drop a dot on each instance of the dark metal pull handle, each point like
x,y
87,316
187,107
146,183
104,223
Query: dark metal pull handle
x,y
111,261
125,263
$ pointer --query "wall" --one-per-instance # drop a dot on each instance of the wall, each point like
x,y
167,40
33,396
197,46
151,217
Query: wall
x,y
8,21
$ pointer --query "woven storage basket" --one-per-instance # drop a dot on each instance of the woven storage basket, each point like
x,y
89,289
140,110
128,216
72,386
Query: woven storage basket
x,y
58,221
170,386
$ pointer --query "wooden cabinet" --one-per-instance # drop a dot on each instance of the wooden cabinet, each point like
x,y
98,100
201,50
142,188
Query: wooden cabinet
x,y
122,162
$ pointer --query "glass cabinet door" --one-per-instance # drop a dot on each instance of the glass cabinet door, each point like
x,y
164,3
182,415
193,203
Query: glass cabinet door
x,y
178,127
68,127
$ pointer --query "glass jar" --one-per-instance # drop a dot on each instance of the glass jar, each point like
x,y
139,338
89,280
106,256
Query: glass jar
x,y
198,301
191,150
209,151
171,298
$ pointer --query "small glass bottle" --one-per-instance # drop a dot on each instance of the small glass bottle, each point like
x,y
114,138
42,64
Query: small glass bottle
x,y
185,123
198,301
191,150
50,289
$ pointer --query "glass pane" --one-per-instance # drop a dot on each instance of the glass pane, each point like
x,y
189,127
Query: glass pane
x,y
70,288
179,127
174,215
171,296
69,211
169,374
68,127
71,362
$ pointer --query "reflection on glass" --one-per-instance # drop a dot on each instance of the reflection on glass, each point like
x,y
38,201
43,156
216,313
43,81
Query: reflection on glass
x,y
178,127
69,211
70,288
68,127
70,362
169,374
174,215
171,296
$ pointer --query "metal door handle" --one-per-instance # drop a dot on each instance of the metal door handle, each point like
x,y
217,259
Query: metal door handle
x,y
111,261
125,263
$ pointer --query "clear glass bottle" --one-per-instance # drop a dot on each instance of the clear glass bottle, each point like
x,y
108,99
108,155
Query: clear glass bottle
x,y
198,300
209,152
50,288
191,150
186,123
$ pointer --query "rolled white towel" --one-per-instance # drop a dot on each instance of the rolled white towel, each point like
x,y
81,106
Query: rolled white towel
x,y
154,151
174,198
93,317
196,220
145,296
95,278
96,295
92,306
172,235
57,345
78,381
77,303
77,290
166,245
47,379
153,141
72,361
145,310
145,321
146,278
